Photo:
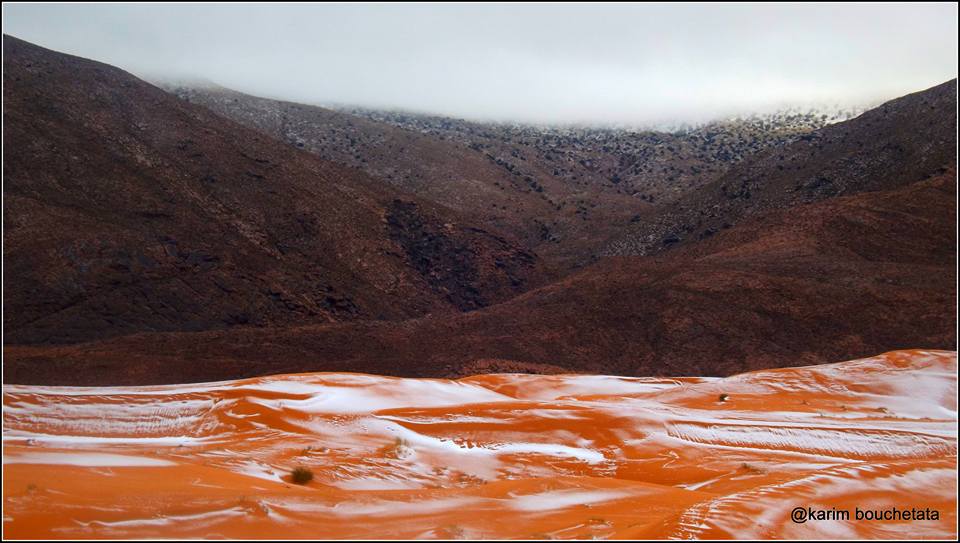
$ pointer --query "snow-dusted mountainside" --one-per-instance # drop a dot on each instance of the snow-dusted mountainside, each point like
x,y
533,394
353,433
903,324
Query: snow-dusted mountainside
x,y
898,142
564,189
150,239
653,164
128,210
491,456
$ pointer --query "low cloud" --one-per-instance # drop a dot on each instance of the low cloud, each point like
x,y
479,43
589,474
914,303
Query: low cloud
x,y
606,63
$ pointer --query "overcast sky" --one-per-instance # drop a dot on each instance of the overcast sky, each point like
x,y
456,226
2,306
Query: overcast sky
x,y
535,62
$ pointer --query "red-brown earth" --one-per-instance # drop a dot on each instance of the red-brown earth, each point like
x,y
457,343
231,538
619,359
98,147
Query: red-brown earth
x,y
899,142
129,210
564,189
833,280
148,240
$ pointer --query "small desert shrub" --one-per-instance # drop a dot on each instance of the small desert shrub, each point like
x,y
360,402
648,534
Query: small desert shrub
x,y
400,449
301,475
453,532
310,449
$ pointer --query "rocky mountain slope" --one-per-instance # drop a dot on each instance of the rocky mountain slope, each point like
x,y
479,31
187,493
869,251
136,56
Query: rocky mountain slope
x,y
148,240
903,140
830,280
565,190
129,210
562,221
654,165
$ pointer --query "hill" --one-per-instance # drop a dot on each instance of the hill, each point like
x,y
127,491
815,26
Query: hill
x,y
149,240
830,280
903,140
128,210
564,190
503,190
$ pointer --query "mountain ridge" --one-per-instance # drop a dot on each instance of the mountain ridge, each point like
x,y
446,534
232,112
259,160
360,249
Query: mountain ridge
x,y
148,239
791,288
127,209
904,139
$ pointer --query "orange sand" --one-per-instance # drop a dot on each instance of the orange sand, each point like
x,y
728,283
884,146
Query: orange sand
x,y
492,456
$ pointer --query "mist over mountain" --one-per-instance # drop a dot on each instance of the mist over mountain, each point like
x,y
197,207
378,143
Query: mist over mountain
x,y
605,64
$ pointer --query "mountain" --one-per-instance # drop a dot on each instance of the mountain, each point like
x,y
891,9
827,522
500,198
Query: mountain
x,y
830,280
650,164
441,171
564,190
903,140
500,189
128,210
151,240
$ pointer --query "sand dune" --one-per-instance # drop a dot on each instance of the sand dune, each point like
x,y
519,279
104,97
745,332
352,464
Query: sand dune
x,y
492,456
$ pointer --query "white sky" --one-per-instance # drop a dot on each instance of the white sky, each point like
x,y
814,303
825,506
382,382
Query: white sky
x,y
528,62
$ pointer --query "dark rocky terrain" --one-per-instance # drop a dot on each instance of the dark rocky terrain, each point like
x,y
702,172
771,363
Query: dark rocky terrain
x,y
149,239
564,190
562,221
128,210
654,165
902,140
842,278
